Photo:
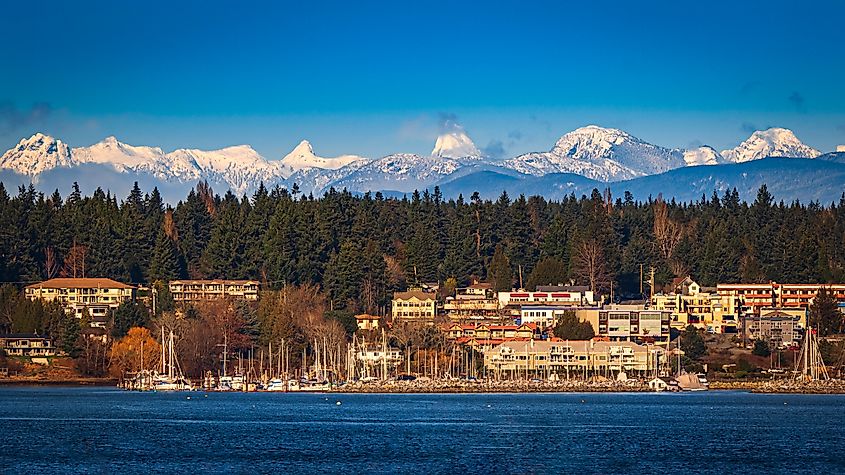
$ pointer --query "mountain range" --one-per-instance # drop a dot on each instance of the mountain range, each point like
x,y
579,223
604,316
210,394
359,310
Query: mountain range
x,y
586,158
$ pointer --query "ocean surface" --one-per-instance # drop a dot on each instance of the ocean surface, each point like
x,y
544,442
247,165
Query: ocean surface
x,y
96,430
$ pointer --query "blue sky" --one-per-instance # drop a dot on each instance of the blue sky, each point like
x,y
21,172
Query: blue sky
x,y
374,78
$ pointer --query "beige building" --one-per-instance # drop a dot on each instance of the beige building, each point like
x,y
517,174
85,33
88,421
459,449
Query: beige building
x,y
476,303
689,304
200,290
541,358
92,298
414,306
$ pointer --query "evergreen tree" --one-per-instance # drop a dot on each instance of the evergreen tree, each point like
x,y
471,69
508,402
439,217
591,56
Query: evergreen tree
x,y
500,274
825,316
164,265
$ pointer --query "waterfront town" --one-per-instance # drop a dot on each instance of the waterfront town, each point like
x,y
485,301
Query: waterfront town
x,y
550,337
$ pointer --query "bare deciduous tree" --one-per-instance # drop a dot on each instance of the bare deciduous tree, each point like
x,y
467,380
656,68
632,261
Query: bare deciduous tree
x,y
667,232
74,264
52,266
590,265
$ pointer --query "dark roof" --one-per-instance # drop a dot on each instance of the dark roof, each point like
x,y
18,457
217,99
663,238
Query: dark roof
x,y
16,336
562,288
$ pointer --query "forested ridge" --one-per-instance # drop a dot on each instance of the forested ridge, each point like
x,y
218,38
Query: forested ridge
x,y
359,249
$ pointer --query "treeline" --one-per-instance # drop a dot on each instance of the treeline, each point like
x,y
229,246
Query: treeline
x,y
358,249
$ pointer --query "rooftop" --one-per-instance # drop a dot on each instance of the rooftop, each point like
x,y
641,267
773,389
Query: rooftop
x,y
80,283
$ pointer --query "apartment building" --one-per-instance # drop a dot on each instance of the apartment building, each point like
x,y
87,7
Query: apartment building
x,y
92,298
632,323
690,304
202,290
781,327
750,299
541,358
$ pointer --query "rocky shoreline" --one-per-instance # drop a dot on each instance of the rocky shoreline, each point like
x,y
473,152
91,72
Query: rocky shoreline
x,y
40,381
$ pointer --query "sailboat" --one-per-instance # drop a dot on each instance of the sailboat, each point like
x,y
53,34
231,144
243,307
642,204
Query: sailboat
x,y
171,377
810,365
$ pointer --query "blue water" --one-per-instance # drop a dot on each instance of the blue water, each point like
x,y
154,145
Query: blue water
x,y
73,430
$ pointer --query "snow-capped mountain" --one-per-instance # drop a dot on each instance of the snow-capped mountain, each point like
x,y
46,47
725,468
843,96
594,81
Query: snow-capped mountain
x,y
240,167
36,154
303,157
455,144
599,153
138,159
774,142
398,172
596,153
704,155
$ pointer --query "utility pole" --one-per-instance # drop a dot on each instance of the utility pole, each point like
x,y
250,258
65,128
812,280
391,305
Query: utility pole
x,y
641,279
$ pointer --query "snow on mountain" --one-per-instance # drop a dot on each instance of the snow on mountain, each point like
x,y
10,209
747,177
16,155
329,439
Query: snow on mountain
x,y
35,155
240,167
126,158
840,148
704,155
774,142
403,172
303,157
455,144
601,154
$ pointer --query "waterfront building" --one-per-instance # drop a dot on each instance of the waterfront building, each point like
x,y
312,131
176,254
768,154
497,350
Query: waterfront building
x,y
91,298
780,327
486,336
26,344
414,306
203,290
541,358
633,323
476,303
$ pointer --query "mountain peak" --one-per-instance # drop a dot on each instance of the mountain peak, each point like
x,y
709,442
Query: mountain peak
x,y
303,157
35,155
704,155
455,144
303,149
772,142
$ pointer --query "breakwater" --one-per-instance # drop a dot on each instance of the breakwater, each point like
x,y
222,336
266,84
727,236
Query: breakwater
x,y
515,386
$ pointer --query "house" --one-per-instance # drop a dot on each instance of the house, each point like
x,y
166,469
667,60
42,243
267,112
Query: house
x,y
367,322
414,306
27,344
202,290
92,298
476,303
